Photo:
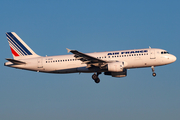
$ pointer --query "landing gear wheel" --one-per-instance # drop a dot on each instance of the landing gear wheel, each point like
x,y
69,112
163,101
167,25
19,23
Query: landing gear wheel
x,y
94,77
154,74
97,80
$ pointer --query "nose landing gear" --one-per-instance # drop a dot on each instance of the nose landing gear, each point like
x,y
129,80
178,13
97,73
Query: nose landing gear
x,y
154,74
95,77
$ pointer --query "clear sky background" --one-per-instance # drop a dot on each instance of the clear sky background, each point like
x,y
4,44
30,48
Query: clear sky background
x,y
49,27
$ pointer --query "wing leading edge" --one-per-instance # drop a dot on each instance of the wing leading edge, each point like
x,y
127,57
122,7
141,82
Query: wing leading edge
x,y
87,59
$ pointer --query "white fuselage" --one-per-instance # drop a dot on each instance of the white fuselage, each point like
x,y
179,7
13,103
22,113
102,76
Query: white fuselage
x,y
136,58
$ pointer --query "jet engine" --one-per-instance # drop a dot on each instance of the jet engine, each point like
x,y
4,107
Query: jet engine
x,y
117,74
116,66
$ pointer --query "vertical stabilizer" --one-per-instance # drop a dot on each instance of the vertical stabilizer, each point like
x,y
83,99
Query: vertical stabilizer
x,y
18,47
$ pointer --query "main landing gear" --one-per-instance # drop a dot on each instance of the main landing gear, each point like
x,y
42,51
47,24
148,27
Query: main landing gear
x,y
154,74
95,77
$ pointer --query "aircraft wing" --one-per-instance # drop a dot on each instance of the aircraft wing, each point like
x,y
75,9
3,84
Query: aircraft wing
x,y
87,59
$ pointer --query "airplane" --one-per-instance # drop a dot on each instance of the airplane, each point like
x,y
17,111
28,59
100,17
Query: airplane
x,y
113,63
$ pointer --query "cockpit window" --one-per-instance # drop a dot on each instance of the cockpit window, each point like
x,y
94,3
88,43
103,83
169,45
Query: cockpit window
x,y
164,52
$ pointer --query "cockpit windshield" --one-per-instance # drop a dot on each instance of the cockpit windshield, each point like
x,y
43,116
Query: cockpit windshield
x,y
164,52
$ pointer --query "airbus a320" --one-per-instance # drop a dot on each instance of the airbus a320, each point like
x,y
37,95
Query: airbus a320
x,y
113,63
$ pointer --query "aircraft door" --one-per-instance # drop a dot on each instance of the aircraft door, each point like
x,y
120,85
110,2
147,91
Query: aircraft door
x,y
40,63
152,54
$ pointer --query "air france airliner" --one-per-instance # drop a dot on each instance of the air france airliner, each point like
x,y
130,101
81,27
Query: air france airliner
x,y
113,63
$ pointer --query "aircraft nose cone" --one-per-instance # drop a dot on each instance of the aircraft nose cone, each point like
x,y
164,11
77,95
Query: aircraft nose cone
x,y
174,58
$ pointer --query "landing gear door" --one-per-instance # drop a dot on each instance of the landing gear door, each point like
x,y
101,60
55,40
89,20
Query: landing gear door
x,y
40,63
152,54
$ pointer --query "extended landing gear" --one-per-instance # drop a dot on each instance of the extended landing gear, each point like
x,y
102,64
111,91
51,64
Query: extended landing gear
x,y
95,77
154,74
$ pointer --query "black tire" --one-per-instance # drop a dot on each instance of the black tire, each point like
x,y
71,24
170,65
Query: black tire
x,y
97,80
94,77
154,74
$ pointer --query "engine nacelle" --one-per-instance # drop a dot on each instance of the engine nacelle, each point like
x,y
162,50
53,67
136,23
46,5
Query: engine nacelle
x,y
116,66
117,74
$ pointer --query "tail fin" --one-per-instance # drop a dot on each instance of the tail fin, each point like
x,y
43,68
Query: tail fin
x,y
18,47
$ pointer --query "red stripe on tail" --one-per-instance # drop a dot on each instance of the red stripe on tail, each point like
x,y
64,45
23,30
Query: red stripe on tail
x,y
14,52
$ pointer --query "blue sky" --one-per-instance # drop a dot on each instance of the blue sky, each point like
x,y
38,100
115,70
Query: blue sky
x,y
49,27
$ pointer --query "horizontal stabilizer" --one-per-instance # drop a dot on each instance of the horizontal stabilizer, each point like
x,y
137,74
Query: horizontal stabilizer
x,y
17,62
